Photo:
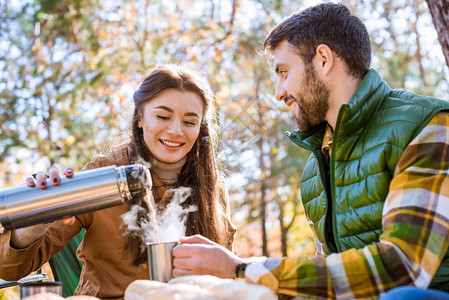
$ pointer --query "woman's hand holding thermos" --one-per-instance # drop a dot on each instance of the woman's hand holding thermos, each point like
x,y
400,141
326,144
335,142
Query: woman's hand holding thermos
x,y
41,182
23,237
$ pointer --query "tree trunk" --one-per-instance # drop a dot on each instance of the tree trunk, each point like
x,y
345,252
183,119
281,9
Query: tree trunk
x,y
263,187
285,228
263,191
263,220
439,9
263,184
419,58
283,231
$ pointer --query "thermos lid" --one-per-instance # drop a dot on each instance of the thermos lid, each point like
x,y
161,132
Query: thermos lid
x,y
136,178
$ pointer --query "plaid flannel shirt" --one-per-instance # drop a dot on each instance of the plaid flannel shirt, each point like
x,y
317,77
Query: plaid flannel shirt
x,y
415,222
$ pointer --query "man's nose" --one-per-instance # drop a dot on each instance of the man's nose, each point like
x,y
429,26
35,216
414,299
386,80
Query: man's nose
x,y
175,128
281,93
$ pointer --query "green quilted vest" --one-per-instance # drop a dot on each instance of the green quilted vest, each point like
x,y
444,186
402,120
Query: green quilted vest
x,y
372,131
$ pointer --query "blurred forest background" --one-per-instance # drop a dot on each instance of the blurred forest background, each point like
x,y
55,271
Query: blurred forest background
x,y
68,70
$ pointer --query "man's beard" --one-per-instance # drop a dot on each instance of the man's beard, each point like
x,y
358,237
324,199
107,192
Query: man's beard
x,y
312,100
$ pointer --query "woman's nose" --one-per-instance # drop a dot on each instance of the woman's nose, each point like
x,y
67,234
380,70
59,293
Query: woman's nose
x,y
175,128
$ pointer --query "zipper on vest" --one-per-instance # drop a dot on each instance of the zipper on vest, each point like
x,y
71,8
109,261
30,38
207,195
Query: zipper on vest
x,y
342,110
328,221
333,204
329,239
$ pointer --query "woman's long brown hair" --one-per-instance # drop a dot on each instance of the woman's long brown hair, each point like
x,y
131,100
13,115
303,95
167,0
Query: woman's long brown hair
x,y
199,172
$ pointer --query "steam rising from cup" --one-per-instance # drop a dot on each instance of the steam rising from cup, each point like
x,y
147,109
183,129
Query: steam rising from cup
x,y
169,224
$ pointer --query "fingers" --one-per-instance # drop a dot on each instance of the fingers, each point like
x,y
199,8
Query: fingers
x,y
194,250
41,179
181,263
69,172
182,272
203,260
30,181
187,266
196,239
54,175
193,264
185,250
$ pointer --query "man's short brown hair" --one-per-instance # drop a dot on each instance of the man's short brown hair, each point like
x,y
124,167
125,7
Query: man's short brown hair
x,y
326,23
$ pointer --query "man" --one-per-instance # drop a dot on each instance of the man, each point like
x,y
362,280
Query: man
x,y
375,188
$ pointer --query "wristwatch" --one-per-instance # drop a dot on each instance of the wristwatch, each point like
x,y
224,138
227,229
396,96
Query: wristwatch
x,y
240,271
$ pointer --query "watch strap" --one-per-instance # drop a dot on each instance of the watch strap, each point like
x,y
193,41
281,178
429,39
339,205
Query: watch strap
x,y
240,271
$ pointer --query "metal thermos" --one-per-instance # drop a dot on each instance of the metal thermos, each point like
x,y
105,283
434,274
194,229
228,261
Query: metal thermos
x,y
22,206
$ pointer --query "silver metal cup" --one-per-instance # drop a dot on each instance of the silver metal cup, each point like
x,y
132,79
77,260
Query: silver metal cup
x,y
160,260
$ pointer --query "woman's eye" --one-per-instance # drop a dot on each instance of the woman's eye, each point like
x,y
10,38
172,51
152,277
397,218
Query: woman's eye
x,y
162,117
189,123
283,72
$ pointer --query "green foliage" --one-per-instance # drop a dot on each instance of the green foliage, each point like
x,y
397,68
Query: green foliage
x,y
47,74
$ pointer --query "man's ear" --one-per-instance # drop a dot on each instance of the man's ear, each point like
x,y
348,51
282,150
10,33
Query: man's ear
x,y
324,59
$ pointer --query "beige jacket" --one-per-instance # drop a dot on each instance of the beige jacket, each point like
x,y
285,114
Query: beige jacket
x,y
107,267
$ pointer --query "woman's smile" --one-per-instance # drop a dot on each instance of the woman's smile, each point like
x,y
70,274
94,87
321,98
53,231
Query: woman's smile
x,y
171,145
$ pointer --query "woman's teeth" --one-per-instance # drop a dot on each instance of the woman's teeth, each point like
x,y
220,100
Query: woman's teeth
x,y
171,144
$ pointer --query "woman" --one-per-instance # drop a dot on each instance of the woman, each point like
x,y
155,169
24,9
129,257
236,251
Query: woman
x,y
172,131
